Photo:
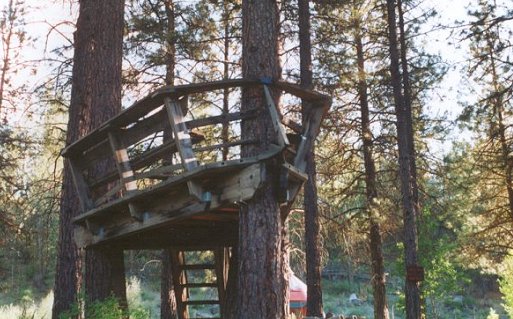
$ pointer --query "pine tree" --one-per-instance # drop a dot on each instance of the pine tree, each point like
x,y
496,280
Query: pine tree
x,y
409,187
262,287
95,97
312,217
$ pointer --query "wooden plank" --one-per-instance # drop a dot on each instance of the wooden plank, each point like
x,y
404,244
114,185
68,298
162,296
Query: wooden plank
x,y
126,174
275,118
218,119
179,282
312,126
319,99
146,159
156,99
152,124
175,181
161,173
81,187
183,143
294,126
181,134
238,188
107,196
222,145
220,256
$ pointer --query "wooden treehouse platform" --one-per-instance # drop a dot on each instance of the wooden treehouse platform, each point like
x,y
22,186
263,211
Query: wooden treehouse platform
x,y
166,172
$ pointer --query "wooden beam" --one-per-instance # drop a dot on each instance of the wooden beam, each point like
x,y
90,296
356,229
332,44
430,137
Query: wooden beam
x,y
210,170
275,118
179,282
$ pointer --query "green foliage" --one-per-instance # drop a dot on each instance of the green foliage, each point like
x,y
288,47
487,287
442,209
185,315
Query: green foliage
x,y
506,284
105,309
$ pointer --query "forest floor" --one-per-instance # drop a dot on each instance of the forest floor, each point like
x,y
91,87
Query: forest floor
x,y
336,295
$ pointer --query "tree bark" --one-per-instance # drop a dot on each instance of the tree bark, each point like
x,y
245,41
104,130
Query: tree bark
x,y
407,178
312,219
99,40
375,243
263,269
95,97
168,308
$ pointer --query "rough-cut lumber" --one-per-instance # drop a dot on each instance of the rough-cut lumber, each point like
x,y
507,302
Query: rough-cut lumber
x,y
150,194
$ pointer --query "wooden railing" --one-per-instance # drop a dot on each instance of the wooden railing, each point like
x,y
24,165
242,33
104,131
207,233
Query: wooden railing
x,y
161,140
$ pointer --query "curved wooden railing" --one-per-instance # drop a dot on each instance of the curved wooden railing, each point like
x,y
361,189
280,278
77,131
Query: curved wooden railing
x,y
140,161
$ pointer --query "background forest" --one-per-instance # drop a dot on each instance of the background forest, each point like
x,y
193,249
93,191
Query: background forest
x,y
460,60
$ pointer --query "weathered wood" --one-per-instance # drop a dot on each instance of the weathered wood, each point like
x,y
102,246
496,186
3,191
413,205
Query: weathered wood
x,y
211,170
221,264
179,282
318,99
275,118
126,174
222,145
145,159
161,173
294,126
219,119
183,142
238,188
181,134
156,99
312,128
108,196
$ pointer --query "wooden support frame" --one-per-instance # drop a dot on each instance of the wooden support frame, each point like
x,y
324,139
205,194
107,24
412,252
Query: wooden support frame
x,y
283,141
126,174
194,189
183,143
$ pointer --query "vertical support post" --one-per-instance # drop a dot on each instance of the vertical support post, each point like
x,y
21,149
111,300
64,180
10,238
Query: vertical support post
x,y
278,126
183,142
221,256
126,174
179,282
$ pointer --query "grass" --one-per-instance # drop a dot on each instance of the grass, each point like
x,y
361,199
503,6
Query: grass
x,y
144,301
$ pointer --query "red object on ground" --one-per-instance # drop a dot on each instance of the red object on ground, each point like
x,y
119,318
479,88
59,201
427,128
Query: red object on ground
x,y
298,294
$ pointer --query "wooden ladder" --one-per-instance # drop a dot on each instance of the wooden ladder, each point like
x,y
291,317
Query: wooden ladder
x,y
183,287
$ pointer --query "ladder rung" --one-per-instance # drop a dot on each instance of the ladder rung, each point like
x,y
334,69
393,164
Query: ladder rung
x,y
199,284
198,266
201,302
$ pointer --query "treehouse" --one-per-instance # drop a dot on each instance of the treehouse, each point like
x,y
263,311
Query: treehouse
x,y
169,172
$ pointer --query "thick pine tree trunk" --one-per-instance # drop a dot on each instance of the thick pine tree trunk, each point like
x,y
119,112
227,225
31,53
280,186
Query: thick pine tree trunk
x,y
312,218
100,30
376,246
263,269
407,178
95,97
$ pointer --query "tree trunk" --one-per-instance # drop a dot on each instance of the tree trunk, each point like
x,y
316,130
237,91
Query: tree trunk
x,y
168,308
312,222
105,275
407,180
95,97
263,269
100,36
376,247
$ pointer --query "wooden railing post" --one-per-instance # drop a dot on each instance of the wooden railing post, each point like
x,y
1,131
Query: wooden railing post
x,y
126,174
